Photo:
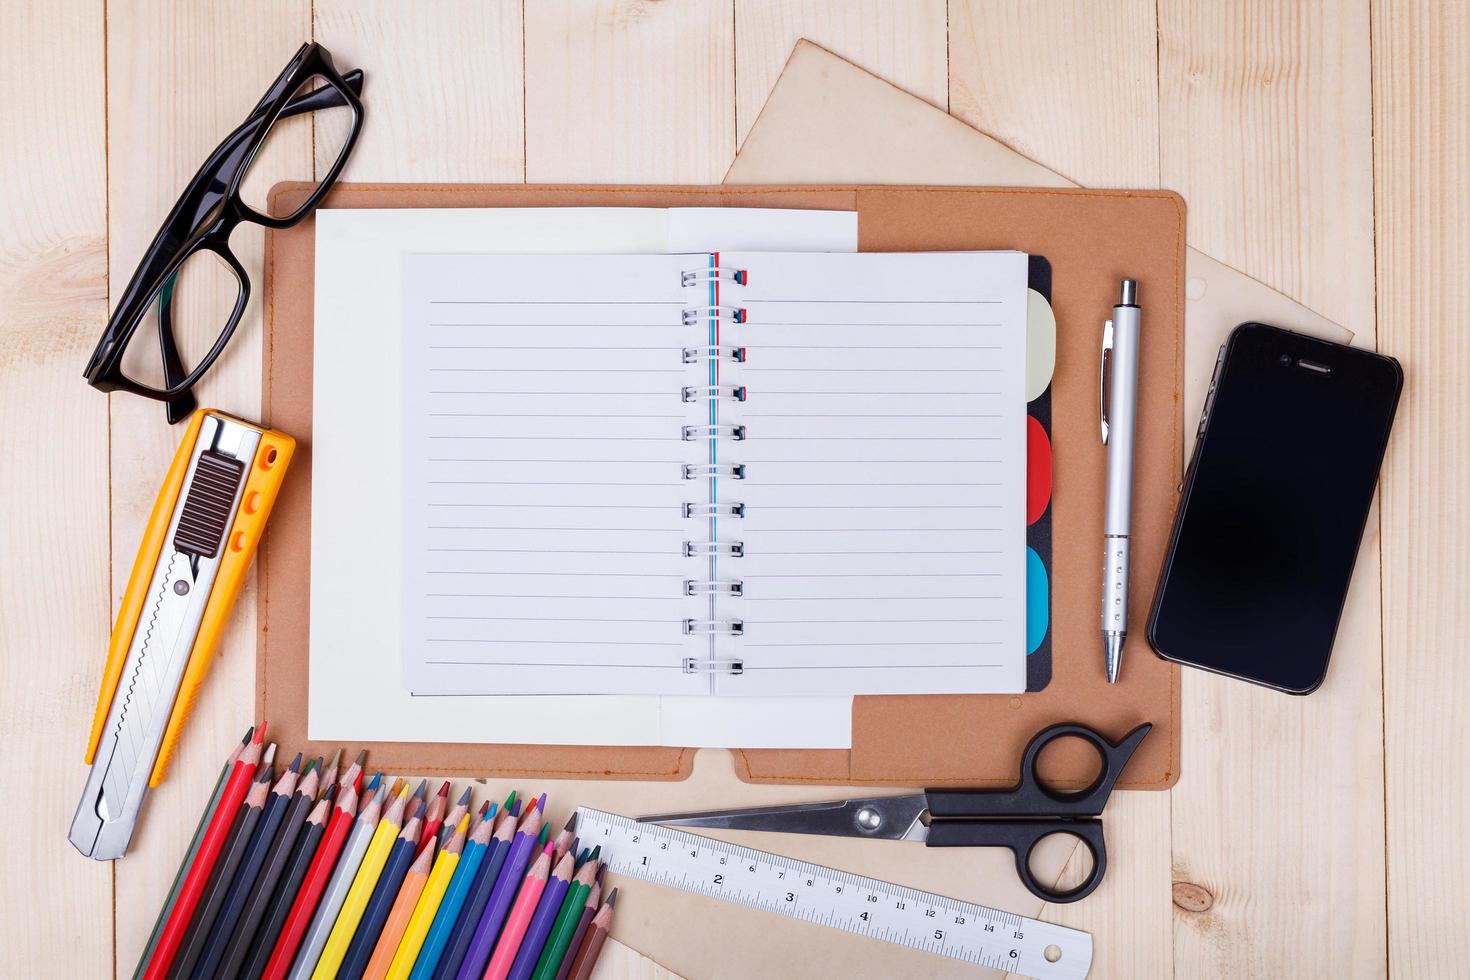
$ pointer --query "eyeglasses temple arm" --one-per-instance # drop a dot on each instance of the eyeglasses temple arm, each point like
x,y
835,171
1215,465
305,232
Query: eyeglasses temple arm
x,y
325,97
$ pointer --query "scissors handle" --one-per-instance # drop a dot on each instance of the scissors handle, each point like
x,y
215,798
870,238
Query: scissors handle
x,y
1033,798
1022,836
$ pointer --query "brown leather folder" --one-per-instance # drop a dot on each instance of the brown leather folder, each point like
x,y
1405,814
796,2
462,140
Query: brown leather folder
x,y
1091,238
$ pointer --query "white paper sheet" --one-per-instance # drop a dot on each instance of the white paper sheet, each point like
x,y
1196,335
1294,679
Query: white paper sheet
x,y
356,688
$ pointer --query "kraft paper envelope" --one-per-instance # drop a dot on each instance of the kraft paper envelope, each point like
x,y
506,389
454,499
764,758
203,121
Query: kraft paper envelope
x,y
829,121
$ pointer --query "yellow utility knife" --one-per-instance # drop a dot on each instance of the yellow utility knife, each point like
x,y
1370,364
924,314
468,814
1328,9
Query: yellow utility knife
x,y
199,542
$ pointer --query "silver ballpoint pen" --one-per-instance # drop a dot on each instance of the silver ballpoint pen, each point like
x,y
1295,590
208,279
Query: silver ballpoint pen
x,y
1117,400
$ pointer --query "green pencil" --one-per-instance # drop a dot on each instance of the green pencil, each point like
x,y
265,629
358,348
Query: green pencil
x,y
566,920
173,892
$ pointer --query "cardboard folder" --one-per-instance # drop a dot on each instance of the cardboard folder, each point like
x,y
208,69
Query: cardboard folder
x,y
1092,240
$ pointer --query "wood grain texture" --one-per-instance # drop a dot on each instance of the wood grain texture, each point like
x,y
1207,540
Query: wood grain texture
x,y
629,91
442,96
904,41
180,78
1421,92
54,608
1265,128
1072,85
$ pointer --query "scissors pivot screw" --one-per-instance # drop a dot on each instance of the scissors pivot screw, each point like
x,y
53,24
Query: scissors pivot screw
x,y
869,820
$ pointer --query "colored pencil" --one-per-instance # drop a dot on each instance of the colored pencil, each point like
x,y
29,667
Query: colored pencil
x,y
482,943
267,828
591,948
302,856
589,909
548,909
403,906
272,869
390,883
428,904
447,915
323,866
487,809
230,857
434,819
560,936
451,820
213,842
335,894
564,839
479,897
518,921
380,845
190,853
328,777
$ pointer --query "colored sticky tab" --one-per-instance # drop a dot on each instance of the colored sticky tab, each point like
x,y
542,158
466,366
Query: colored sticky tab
x,y
1038,470
1041,344
1038,601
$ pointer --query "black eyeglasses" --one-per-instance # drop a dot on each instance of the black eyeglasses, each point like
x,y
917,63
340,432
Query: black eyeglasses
x,y
190,290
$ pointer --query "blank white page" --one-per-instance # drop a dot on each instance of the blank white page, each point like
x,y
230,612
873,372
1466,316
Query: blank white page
x,y
885,472
543,485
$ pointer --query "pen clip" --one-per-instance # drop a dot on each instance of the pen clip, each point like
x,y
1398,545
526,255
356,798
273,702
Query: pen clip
x,y
1103,375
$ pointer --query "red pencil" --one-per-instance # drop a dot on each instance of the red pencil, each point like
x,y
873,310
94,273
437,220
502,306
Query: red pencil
x,y
434,819
209,847
313,885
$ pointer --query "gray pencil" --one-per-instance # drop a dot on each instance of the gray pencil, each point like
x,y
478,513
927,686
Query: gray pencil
x,y
336,891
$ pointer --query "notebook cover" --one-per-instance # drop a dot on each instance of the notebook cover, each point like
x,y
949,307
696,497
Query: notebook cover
x,y
1091,238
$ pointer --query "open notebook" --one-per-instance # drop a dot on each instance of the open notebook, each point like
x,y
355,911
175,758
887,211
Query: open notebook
x,y
736,474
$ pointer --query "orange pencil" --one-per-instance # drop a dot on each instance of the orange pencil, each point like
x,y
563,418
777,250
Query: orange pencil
x,y
519,919
397,921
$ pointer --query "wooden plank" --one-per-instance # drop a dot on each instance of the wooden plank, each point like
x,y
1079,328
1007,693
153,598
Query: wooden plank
x,y
1081,100
443,92
628,92
904,42
53,529
179,79
1421,83
1265,128
1073,85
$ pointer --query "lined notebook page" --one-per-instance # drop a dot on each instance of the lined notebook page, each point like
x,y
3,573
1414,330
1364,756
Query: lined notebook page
x,y
884,527
543,491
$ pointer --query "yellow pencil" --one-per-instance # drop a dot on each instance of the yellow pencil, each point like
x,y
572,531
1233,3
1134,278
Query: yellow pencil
x,y
362,889
423,912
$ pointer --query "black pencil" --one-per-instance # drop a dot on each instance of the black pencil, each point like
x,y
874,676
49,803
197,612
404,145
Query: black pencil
x,y
223,873
266,830
264,942
271,869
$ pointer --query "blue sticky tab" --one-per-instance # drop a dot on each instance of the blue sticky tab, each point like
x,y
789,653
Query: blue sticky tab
x,y
1038,601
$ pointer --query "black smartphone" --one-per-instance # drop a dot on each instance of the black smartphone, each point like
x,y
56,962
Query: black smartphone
x,y
1274,503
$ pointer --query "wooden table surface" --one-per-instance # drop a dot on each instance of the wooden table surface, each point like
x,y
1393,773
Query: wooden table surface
x,y
1321,147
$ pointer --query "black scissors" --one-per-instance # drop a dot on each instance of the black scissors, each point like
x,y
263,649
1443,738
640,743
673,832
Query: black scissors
x,y
1017,818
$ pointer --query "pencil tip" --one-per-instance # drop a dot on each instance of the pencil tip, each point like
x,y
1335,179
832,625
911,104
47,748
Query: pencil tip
x,y
612,898
260,733
596,853
444,790
295,765
249,733
510,800
269,758
465,797
373,783
515,808
422,790
541,803
571,823
601,873
336,758
361,758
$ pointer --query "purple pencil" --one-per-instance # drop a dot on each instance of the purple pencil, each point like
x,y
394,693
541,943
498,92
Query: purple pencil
x,y
482,944
547,909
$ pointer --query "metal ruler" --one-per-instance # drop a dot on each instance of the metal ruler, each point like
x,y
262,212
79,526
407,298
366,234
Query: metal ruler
x,y
853,903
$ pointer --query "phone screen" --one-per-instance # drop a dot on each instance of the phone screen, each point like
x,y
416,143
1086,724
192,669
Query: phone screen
x,y
1274,507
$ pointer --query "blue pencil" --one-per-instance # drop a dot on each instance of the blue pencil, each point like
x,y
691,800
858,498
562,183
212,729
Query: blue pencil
x,y
447,914
479,897
375,913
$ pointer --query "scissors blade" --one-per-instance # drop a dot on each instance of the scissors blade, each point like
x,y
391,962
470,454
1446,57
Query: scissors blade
x,y
881,817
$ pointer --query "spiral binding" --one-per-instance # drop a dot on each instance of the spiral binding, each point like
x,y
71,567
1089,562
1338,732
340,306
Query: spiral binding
x,y
708,627
733,549
733,393
695,277
693,355
732,587
694,665
693,315
714,510
712,353
693,432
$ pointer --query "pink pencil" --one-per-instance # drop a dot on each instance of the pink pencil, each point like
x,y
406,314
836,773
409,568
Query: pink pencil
x,y
520,916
